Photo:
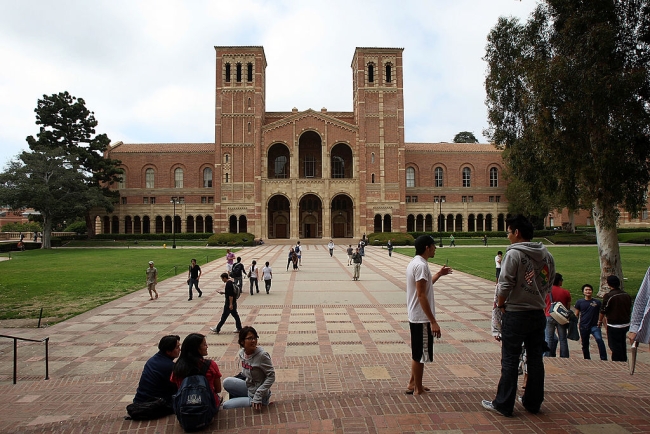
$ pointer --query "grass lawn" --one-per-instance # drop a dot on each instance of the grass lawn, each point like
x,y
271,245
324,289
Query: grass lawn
x,y
577,264
67,282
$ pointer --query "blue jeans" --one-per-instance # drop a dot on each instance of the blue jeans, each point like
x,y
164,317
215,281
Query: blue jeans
x,y
525,327
238,392
195,283
585,334
551,341
254,282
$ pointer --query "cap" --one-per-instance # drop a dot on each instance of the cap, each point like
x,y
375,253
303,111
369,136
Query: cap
x,y
150,262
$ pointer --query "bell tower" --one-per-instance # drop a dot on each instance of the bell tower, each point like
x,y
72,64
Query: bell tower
x,y
240,104
378,102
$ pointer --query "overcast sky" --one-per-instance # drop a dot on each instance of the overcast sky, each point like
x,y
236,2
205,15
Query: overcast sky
x,y
147,68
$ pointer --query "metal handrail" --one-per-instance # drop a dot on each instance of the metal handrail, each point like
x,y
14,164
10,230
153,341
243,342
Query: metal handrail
x,y
16,339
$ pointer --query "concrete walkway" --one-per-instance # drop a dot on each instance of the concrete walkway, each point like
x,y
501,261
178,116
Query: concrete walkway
x,y
340,351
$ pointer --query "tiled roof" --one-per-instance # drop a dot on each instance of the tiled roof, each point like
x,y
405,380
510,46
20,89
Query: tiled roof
x,y
172,148
452,147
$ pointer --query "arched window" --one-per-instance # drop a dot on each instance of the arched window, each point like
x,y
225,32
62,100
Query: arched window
x,y
410,177
121,183
494,177
249,72
227,72
338,167
227,178
226,158
178,178
388,73
438,175
371,73
238,77
249,128
149,176
310,166
373,178
372,158
207,177
467,177
280,167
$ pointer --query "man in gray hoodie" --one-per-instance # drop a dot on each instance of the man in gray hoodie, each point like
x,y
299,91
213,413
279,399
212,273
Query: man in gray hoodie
x,y
527,273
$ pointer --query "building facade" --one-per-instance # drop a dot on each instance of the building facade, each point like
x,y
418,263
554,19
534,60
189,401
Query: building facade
x,y
311,173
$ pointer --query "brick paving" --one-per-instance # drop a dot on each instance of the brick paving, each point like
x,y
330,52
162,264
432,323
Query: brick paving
x,y
340,351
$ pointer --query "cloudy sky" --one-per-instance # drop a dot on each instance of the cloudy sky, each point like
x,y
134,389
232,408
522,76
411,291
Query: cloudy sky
x,y
146,68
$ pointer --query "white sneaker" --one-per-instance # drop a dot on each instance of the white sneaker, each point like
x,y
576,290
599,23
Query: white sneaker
x,y
214,330
489,406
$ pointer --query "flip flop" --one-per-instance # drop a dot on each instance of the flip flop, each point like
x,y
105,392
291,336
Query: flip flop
x,y
410,392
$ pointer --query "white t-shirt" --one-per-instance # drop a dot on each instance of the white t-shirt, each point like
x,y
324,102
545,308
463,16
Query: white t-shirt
x,y
418,269
497,261
266,273
253,271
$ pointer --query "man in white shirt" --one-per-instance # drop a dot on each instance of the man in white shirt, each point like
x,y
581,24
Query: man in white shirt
x,y
421,310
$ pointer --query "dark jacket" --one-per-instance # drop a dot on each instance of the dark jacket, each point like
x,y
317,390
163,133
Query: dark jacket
x,y
617,307
154,381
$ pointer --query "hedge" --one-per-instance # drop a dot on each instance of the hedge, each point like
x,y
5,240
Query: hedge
x,y
228,239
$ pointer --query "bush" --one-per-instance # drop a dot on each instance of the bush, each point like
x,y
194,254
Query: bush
x,y
78,227
228,239
155,237
398,238
22,227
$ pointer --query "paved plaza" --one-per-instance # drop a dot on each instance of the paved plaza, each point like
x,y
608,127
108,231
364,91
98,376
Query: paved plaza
x,y
341,353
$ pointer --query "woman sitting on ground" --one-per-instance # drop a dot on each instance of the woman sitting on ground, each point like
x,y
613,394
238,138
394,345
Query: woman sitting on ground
x,y
192,362
258,369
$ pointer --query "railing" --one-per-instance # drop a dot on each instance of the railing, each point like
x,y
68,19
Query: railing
x,y
16,339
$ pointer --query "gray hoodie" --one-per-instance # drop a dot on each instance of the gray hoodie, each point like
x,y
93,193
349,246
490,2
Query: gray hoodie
x,y
259,373
527,273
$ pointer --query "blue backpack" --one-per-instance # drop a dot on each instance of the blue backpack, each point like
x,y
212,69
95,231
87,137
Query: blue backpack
x,y
194,404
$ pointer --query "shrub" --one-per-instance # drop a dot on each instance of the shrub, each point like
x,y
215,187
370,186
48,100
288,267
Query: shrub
x,y
228,239
155,237
398,238
78,227
22,227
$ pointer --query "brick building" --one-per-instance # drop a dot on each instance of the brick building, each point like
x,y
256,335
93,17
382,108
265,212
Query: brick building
x,y
311,173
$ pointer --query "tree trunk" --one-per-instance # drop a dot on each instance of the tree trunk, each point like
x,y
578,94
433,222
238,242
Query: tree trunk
x,y
572,221
90,226
605,218
47,232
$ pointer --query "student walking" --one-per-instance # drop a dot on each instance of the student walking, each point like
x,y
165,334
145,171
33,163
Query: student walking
x,y
230,306
267,275
152,280
356,260
193,276
252,276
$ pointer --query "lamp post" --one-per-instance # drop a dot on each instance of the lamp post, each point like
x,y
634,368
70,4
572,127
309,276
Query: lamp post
x,y
441,220
174,223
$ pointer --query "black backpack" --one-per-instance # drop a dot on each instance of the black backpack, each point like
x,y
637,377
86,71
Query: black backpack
x,y
194,404
237,270
237,288
149,410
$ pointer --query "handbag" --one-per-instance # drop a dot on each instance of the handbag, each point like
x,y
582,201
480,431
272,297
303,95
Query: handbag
x,y
558,312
